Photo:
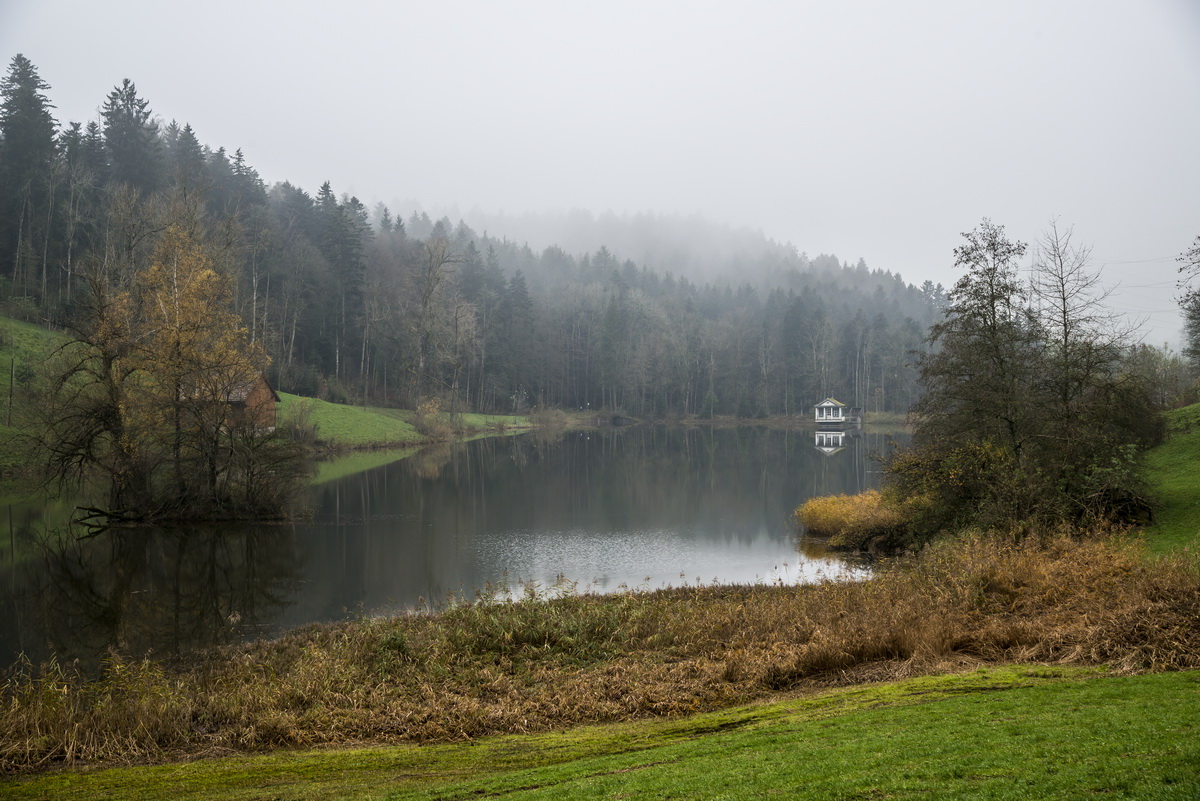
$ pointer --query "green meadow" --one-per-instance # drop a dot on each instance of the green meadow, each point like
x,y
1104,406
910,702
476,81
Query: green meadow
x,y
1000,733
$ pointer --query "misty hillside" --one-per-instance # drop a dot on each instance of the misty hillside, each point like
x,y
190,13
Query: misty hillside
x,y
654,315
692,247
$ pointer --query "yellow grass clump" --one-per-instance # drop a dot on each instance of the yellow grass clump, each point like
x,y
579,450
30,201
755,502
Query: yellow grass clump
x,y
850,521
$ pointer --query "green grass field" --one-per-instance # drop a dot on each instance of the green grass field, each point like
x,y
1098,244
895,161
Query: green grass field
x,y
1000,733
1173,473
23,347
356,427
339,425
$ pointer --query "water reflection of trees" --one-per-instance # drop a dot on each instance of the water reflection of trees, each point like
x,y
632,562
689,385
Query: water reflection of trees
x,y
430,461
421,528
140,590
718,481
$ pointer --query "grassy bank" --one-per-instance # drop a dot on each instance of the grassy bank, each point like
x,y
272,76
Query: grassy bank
x,y
1173,473
1013,732
537,665
23,349
338,426
345,427
342,427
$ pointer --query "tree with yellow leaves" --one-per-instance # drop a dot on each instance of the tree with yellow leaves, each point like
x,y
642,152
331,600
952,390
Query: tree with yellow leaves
x,y
145,392
197,352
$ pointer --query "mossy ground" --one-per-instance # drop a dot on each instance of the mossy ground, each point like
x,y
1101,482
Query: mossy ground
x,y
1012,732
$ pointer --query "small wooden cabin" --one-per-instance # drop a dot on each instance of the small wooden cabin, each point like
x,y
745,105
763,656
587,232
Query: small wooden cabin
x,y
254,402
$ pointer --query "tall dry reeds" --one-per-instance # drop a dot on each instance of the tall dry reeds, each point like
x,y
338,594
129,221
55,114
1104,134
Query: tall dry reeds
x,y
851,521
535,663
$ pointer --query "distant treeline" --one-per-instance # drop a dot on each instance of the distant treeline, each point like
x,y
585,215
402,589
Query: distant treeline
x,y
361,305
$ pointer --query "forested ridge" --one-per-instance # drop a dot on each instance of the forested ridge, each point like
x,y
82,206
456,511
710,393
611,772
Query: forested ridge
x,y
365,305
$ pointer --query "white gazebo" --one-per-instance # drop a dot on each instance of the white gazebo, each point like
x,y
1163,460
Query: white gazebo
x,y
831,410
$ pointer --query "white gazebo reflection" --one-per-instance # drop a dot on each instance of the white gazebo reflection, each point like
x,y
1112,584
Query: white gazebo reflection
x,y
830,442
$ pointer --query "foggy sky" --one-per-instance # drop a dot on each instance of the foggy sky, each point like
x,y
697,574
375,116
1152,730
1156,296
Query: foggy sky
x,y
873,129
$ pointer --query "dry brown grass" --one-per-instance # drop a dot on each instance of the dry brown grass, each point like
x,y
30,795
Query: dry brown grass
x,y
538,663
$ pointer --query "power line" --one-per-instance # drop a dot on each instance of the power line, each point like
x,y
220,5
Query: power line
x,y
1135,261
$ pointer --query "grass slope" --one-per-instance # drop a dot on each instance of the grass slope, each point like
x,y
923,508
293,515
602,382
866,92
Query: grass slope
x,y
23,348
344,426
1012,732
1173,472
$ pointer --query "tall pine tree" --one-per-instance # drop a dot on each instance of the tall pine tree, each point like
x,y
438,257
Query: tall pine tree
x,y
131,136
27,156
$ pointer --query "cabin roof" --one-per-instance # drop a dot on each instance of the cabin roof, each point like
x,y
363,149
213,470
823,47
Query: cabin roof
x,y
242,391
831,402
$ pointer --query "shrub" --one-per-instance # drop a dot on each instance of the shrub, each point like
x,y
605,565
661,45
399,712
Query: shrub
x,y
430,421
544,417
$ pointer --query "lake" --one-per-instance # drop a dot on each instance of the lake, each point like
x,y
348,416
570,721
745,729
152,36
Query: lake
x,y
633,507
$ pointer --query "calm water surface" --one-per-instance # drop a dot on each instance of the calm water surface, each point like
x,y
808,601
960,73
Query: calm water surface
x,y
634,507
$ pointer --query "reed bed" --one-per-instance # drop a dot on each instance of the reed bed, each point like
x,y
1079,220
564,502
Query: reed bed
x,y
851,521
537,663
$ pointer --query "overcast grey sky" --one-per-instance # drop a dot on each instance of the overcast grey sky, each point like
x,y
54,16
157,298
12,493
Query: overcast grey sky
x,y
872,129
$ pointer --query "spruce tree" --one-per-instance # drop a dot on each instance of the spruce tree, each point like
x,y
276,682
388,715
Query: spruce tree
x,y
27,154
132,139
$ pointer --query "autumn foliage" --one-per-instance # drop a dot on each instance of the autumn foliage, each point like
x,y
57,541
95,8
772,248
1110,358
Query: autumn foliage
x,y
142,398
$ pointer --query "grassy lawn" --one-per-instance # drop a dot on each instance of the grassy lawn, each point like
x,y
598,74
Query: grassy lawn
x,y
1000,733
340,425
1173,471
23,347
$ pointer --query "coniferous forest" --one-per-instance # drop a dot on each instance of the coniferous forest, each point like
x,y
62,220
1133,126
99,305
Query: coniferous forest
x,y
378,306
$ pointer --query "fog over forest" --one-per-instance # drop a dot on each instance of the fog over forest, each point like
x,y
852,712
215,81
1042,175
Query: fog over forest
x,y
875,131
691,246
